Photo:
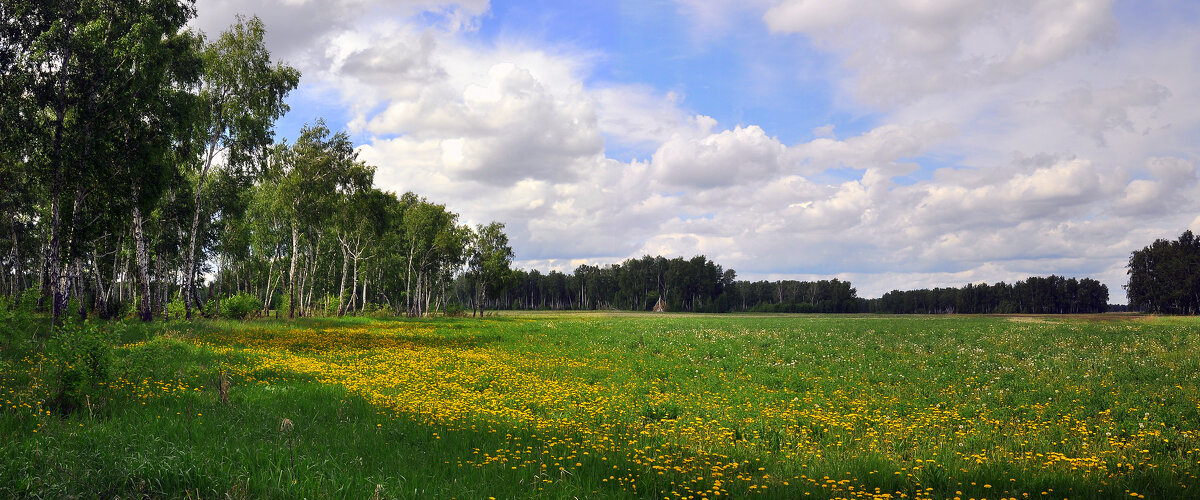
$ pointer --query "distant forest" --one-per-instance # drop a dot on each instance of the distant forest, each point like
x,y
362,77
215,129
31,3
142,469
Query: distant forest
x,y
1035,295
700,285
691,285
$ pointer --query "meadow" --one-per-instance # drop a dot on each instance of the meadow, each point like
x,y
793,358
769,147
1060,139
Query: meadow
x,y
620,406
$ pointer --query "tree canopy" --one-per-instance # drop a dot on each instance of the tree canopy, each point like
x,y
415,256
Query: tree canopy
x,y
1164,277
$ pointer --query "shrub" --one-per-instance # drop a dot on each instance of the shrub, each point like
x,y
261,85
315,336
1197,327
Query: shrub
x,y
175,309
455,309
240,306
332,303
72,310
281,303
210,308
127,308
80,357
16,320
374,310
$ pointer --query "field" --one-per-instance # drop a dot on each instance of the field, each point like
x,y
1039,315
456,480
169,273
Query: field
x,y
622,406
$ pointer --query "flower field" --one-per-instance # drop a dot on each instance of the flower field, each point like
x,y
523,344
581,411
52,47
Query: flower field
x,y
667,406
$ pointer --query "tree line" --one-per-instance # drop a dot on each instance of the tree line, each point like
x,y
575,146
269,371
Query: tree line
x,y
700,285
1164,277
1034,295
697,284
143,178
689,285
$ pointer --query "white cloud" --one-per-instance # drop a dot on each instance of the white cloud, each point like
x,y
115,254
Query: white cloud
x,y
900,50
878,148
722,159
1171,188
637,116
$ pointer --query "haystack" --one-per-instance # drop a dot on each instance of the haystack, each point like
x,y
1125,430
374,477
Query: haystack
x,y
660,306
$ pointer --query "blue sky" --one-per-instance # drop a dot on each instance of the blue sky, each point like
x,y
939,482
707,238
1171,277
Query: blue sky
x,y
894,143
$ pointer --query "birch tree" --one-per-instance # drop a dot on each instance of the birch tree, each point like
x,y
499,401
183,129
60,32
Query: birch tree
x,y
316,168
93,77
242,94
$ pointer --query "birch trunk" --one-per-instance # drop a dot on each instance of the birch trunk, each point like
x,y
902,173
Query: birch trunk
x,y
292,273
345,271
354,287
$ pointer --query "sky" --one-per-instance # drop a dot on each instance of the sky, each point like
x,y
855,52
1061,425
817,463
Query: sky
x,y
897,144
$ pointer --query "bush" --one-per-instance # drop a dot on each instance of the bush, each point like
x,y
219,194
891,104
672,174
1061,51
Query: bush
x,y
454,310
281,303
382,312
175,309
128,308
72,310
210,308
240,306
331,303
16,318
80,357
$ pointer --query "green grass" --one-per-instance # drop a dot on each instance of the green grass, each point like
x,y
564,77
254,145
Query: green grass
x,y
621,405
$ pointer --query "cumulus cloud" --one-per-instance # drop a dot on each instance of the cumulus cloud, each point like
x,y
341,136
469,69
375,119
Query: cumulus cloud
x,y
298,31
636,116
721,159
1055,190
509,128
1171,188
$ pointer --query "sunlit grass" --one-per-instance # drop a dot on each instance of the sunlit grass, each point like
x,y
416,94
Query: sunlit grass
x,y
654,406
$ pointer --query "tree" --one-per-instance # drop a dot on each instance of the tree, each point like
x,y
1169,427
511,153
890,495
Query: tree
x,y
361,221
1164,277
268,222
489,262
161,112
242,94
315,169
88,79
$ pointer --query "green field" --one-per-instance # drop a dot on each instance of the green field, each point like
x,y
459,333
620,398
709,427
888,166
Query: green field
x,y
620,405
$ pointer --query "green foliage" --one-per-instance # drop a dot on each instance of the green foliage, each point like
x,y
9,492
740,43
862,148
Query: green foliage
x,y
80,358
282,302
802,308
1034,295
455,309
332,303
243,90
73,307
210,308
175,308
123,309
240,306
378,311
17,321
1163,276
488,263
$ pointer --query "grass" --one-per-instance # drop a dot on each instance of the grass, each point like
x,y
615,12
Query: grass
x,y
622,406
